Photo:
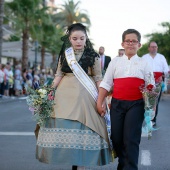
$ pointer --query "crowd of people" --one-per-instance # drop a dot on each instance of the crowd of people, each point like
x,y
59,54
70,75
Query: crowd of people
x,y
14,81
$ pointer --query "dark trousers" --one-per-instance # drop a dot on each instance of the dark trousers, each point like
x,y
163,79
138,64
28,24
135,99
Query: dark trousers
x,y
11,91
156,111
126,124
2,89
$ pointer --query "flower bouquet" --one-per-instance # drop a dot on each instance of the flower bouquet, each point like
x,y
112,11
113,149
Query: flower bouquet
x,y
108,125
40,102
150,95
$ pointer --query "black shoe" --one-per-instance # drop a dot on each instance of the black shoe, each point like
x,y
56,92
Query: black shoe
x,y
153,123
74,167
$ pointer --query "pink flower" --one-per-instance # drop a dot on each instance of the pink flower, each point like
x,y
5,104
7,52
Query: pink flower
x,y
50,96
32,110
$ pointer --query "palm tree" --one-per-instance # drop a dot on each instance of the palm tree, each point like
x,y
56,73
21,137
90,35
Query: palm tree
x,y
1,24
71,13
39,31
50,41
44,35
22,13
54,46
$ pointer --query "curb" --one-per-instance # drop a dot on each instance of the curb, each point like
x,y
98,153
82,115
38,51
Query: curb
x,y
8,100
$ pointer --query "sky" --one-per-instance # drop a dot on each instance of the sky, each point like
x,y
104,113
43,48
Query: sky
x,y
110,18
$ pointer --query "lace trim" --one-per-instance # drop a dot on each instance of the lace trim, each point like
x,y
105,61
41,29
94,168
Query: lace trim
x,y
70,138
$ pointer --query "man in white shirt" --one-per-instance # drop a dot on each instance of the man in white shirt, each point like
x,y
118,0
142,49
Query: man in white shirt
x,y
126,74
160,68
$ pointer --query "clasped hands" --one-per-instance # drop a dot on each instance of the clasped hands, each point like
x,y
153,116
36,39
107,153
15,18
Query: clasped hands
x,y
101,108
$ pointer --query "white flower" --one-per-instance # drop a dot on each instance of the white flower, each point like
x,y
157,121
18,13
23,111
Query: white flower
x,y
42,91
42,95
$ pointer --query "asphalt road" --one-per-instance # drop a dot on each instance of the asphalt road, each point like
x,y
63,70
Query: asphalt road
x,y
17,141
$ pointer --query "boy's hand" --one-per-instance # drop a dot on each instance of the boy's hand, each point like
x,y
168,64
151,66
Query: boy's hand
x,y
101,108
101,101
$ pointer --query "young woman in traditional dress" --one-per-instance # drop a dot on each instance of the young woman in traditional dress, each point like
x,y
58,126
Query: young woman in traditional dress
x,y
76,134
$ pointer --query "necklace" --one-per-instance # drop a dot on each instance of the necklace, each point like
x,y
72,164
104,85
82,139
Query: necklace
x,y
78,52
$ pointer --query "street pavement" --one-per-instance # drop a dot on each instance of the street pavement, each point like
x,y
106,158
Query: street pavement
x,y
17,140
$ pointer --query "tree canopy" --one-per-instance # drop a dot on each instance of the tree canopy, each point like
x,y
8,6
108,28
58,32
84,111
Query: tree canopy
x,y
70,13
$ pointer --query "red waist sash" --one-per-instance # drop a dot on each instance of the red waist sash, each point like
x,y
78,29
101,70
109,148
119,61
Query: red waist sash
x,y
127,88
158,76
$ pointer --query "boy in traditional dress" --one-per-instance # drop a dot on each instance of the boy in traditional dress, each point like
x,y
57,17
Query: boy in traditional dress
x,y
126,74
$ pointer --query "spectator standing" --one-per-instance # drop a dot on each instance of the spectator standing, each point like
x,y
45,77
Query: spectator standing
x,y
7,77
18,81
43,76
2,75
160,68
105,60
29,78
11,82
36,82
4,79
25,82
121,52
50,78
